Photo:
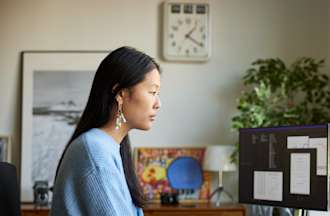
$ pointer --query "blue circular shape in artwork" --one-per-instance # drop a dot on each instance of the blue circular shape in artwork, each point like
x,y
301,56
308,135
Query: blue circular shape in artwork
x,y
185,173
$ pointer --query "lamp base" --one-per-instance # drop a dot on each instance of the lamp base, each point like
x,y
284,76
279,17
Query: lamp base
x,y
219,190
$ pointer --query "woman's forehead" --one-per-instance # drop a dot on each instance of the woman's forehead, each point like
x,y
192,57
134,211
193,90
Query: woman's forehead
x,y
152,78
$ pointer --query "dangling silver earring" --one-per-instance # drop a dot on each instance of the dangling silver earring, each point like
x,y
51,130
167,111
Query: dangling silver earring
x,y
120,118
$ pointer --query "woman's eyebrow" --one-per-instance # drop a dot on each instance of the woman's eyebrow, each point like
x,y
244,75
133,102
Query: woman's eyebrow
x,y
155,85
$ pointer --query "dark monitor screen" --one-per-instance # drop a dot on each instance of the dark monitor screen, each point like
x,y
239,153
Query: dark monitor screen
x,y
284,166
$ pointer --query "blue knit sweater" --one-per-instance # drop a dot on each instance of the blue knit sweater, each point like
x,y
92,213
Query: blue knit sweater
x,y
91,179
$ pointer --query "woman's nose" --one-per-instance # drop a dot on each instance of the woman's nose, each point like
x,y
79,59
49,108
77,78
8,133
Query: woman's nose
x,y
158,103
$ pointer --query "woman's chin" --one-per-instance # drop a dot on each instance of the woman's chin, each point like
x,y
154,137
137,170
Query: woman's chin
x,y
145,127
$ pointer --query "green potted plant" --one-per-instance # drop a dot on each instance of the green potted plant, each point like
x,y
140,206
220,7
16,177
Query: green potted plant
x,y
276,94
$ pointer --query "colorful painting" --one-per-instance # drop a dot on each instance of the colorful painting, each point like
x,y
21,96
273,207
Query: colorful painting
x,y
151,166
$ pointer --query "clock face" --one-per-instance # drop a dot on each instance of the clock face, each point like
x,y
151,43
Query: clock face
x,y
186,33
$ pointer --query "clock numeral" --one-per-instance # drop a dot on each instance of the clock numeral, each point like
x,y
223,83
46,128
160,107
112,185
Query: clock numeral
x,y
175,28
188,9
175,8
201,29
180,22
171,35
188,21
187,52
201,9
173,44
195,49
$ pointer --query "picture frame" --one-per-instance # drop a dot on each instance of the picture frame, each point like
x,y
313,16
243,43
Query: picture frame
x,y
55,88
151,164
5,148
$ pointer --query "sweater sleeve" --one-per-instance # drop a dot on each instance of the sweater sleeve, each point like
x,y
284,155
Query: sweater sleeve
x,y
100,194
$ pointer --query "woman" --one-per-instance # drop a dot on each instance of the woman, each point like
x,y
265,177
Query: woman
x,y
95,175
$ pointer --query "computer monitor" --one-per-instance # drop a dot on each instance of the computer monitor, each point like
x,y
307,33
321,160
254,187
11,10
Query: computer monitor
x,y
285,166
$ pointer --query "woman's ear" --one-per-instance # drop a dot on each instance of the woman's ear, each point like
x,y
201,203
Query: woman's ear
x,y
121,96
114,88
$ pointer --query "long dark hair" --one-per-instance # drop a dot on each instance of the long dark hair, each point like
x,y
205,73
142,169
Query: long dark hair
x,y
122,68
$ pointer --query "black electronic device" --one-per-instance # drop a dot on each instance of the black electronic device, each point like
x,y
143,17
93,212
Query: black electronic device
x,y
41,196
285,166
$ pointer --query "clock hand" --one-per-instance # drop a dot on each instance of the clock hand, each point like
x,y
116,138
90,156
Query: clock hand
x,y
195,41
191,31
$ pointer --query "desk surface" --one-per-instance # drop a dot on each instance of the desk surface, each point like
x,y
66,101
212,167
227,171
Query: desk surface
x,y
199,206
158,209
156,206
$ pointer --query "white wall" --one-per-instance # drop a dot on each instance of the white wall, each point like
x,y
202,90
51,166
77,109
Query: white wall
x,y
198,99
328,36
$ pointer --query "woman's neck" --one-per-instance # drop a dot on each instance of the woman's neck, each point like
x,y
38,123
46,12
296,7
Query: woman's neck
x,y
117,134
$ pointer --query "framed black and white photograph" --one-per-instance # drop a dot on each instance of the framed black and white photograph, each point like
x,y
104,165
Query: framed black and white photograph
x,y
55,88
5,148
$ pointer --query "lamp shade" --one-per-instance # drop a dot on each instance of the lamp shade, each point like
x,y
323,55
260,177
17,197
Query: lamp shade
x,y
217,158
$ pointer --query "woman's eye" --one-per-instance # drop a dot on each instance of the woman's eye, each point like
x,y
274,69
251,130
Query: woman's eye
x,y
154,93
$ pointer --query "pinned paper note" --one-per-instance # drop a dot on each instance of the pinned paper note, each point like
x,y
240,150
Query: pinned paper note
x,y
268,185
320,144
295,142
300,173
321,154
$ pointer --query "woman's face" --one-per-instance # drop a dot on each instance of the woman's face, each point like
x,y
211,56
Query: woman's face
x,y
140,106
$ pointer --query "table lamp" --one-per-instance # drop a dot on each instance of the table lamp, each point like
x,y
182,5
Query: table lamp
x,y
217,159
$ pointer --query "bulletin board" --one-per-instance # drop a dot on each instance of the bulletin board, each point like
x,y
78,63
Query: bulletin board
x,y
284,166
